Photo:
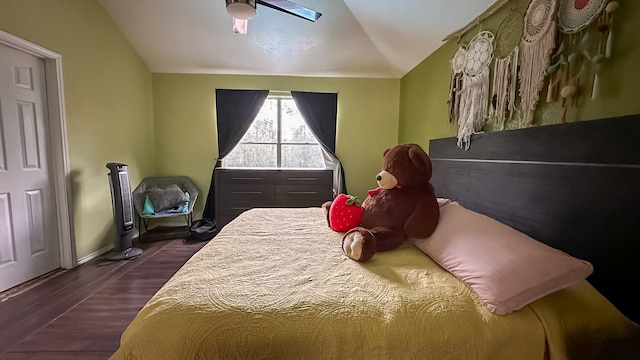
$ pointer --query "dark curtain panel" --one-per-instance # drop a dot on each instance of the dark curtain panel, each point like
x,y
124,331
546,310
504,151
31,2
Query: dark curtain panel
x,y
235,111
319,111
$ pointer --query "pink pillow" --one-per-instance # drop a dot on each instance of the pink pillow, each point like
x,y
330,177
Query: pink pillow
x,y
506,268
443,201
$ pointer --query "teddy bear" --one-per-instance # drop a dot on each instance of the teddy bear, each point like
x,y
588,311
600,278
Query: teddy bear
x,y
404,205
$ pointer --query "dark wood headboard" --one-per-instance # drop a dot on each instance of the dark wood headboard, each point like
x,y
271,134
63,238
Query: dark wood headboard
x,y
574,186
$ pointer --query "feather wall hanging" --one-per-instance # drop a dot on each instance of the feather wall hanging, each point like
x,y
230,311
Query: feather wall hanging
x,y
505,72
538,43
605,43
585,42
455,89
474,95
575,19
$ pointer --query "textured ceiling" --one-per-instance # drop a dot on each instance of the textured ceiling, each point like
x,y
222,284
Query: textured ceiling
x,y
353,38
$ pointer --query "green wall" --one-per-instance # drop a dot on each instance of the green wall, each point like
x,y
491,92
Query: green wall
x,y
425,89
108,101
165,123
109,91
186,138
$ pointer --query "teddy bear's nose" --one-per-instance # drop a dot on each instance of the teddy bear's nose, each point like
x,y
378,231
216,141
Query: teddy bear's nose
x,y
379,177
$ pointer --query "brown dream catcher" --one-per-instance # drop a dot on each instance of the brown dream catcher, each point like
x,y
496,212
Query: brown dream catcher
x,y
538,42
585,43
474,94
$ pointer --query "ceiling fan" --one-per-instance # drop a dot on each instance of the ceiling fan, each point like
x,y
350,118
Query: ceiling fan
x,y
243,10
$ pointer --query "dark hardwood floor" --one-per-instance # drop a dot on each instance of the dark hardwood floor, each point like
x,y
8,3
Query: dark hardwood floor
x,y
81,313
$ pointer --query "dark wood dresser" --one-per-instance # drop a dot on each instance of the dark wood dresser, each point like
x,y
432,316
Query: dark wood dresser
x,y
238,190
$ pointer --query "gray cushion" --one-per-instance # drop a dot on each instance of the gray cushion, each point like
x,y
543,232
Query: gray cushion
x,y
166,197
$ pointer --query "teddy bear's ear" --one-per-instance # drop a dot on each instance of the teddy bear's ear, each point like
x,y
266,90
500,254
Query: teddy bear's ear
x,y
385,152
419,158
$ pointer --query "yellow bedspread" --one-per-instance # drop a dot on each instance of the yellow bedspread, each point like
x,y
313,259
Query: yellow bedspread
x,y
274,284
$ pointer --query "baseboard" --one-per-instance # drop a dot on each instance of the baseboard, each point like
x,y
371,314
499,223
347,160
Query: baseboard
x,y
101,252
95,254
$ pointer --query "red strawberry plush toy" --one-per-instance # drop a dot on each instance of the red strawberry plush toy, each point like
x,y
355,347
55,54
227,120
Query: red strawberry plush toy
x,y
345,213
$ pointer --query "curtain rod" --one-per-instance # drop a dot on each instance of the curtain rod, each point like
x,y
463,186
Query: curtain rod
x,y
490,11
286,93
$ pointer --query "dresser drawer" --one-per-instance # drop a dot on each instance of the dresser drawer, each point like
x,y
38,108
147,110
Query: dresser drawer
x,y
238,190
300,202
304,177
235,207
246,191
245,176
222,220
308,191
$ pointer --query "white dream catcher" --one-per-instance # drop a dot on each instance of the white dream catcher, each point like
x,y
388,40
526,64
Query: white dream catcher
x,y
457,68
505,72
538,42
474,95
575,15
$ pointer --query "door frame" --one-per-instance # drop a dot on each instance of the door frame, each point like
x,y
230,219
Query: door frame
x,y
58,149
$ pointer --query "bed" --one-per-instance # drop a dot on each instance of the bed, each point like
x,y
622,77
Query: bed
x,y
274,283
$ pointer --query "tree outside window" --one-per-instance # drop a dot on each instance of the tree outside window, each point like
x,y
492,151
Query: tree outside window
x,y
277,138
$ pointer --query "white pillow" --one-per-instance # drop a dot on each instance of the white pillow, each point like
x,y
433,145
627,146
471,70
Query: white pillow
x,y
506,268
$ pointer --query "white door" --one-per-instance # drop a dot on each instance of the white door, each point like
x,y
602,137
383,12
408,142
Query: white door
x,y
29,245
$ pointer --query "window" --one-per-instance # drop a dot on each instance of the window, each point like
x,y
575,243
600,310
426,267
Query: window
x,y
277,138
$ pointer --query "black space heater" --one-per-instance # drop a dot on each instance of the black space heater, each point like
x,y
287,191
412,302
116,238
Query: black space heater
x,y
122,201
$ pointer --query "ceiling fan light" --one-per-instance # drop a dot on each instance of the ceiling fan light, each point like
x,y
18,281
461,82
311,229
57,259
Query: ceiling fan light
x,y
240,26
241,9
